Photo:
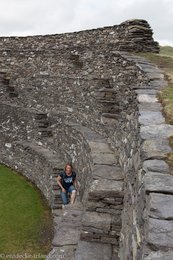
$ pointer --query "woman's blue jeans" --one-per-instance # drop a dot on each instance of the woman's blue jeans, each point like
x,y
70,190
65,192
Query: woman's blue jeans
x,y
64,195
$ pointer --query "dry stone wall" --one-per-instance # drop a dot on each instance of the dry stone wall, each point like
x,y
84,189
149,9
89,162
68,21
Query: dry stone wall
x,y
78,97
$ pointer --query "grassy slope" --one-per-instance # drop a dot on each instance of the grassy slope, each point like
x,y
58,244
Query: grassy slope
x,y
24,216
164,60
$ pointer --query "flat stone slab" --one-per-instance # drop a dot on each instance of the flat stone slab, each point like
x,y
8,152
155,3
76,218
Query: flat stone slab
x,y
104,158
156,166
108,172
159,255
157,182
158,83
103,188
155,107
92,250
58,253
160,233
155,75
151,118
97,220
156,149
160,206
147,98
146,91
156,131
101,147
66,236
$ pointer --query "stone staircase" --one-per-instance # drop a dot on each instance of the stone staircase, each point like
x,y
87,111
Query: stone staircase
x,y
7,88
43,125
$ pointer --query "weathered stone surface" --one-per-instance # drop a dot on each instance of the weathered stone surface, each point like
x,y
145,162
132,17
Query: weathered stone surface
x,y
157,182
156,166
156,131
70,236
160,233
155,107
104,158
159,255
158,84
107,172
160,206
151,118
146,91
97,220
91,250
57,253
155,149
104,188
147,98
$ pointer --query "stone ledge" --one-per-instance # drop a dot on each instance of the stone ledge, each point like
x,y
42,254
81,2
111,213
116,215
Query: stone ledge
x,y
160,206
155,149
92,250
109,172
102,188
158,182
156,166
151,118
159,233
161,131
159,255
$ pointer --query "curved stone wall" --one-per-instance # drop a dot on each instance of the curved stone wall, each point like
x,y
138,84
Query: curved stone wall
x,y
132,35
68,97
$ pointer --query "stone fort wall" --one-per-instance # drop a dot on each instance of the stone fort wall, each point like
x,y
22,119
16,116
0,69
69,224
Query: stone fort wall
x,y
80,97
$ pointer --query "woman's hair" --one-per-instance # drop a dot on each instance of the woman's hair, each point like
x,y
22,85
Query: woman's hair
x,y
68,164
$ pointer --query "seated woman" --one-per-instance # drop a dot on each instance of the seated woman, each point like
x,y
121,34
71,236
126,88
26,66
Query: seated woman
x,y
68,184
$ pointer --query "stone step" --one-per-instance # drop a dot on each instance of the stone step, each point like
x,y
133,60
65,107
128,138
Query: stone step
x,y
100,227
13,94
106,188
62,252
43,124
41,116
45,132
93,251
68,230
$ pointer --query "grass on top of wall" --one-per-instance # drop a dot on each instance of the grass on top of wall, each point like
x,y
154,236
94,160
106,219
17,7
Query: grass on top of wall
x,y
25,218
164,60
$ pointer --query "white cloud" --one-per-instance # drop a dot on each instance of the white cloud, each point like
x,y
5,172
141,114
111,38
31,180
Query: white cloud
x,y
30,17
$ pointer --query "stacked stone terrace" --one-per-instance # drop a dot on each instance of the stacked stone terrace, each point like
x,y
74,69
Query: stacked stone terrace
x,y
78,97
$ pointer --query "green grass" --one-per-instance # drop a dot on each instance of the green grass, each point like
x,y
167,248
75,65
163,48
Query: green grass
x,y
25,218
166,50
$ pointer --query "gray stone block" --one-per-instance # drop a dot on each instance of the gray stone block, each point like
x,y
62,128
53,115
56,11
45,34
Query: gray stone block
x,y
159,255
160,206
97,220
160,233
157,182
155,149
102,188
93,250
156,166
108,172
66,236
156,131
151,118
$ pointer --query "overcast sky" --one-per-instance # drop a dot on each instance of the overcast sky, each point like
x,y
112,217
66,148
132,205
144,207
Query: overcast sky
x,y
32,17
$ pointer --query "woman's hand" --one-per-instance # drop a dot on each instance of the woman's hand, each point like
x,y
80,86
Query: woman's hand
x,y
63,190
